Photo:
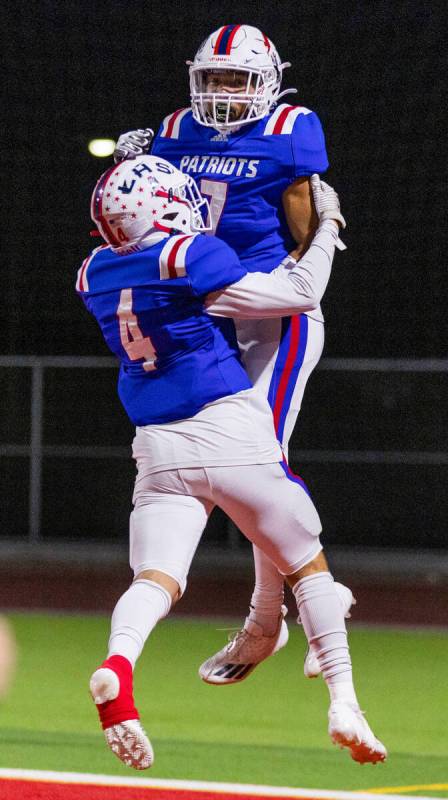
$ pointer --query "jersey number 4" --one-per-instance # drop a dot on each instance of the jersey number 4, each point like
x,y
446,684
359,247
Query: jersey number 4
x,y
136,345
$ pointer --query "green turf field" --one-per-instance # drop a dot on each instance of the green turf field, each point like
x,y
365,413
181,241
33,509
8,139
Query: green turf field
x,y
271,729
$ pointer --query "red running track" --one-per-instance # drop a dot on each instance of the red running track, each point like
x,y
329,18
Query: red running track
x,y
13,789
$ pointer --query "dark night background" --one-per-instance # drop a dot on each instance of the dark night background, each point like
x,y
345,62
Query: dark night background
x,y
371,70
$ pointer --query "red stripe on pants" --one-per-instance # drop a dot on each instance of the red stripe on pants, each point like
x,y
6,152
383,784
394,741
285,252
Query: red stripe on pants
x,y
286,374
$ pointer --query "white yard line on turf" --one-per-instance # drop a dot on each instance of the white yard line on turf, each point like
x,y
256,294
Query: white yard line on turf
x,y
204,786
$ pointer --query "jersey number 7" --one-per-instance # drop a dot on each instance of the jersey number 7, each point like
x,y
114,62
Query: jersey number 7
x,y
134,343
216,192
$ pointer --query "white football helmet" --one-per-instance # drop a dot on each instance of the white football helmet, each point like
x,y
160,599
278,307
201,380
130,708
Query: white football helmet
x,y
236,49
146,197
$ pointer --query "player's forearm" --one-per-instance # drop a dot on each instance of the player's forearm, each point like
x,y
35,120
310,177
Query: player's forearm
x,y
290,289
300,213
303,230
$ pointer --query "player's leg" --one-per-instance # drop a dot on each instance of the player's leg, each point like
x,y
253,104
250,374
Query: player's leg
x,y
165,530
254,498
310,336
273,508
324,625
298,345
265,630
279,355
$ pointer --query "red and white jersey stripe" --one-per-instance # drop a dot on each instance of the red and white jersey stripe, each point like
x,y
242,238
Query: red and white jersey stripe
x,y
171,124
172,259
283,119
82,282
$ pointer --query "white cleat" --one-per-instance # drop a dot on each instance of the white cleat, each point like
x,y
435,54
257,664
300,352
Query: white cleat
x,y
348,727
311,666
130,744
248,648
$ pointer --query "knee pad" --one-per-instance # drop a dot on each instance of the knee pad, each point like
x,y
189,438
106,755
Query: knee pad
x,y
164,535
298,540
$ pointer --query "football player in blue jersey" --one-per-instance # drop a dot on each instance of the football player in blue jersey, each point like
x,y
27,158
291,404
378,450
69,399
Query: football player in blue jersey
x,y
164,295
252,157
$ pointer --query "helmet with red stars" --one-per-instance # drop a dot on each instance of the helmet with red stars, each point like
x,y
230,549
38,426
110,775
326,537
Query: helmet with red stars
x,y
246,53
139,200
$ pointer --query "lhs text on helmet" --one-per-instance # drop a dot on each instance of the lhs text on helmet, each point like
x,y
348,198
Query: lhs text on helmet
x,y
138,198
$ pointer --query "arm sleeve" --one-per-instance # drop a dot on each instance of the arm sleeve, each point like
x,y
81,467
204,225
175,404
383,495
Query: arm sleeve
x,y
212,264
308,145
291,288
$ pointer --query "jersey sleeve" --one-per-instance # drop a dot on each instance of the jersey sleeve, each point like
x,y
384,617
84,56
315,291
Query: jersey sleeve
x,y
211,264
292,288
86,270
308,145
172,128
156,142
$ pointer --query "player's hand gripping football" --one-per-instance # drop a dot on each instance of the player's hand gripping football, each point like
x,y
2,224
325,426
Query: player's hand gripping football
x,y
326,202
133,144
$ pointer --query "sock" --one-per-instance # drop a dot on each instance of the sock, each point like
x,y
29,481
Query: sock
x,y
323,621
122,708
134,617
267,597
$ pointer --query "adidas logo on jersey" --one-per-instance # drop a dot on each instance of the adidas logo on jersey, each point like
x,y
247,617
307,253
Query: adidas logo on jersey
x,y
222,136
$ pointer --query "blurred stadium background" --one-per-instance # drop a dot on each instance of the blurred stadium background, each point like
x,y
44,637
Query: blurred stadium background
x,y
372,437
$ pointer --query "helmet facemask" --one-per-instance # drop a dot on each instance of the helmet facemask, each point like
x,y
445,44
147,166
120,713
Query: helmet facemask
x,y
186,209
235,50
226,110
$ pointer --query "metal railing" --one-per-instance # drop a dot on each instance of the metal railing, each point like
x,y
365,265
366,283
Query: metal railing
x,y
36,450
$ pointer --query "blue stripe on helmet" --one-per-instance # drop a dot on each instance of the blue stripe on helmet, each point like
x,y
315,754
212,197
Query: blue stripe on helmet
x,y
222,50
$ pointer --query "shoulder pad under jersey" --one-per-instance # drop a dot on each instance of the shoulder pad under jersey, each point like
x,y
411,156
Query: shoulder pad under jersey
x,y
211,264
306,135
82,280
171,125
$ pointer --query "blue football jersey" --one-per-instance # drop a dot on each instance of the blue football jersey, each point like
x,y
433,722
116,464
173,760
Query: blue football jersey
x,y
245,174
174,357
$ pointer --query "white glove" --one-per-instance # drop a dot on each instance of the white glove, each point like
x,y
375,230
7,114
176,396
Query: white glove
x,y
326,202
133,144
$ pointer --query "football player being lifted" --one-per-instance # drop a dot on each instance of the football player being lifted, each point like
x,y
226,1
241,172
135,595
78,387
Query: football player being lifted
x,y
253,157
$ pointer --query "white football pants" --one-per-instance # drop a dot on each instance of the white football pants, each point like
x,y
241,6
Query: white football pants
x,y
279,356
269,504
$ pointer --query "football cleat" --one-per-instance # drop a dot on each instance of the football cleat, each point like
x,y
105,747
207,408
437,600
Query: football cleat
x,y
130,744
311,666
348,727
111,690
248,648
